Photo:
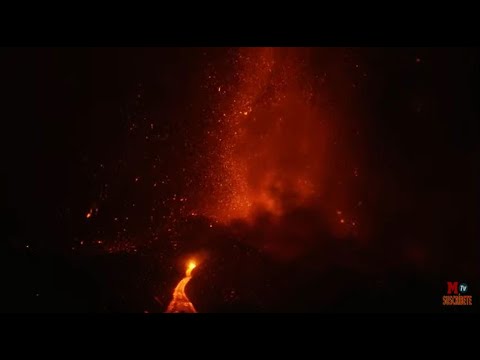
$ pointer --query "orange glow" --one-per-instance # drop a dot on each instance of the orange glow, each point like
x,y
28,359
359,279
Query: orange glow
x,y
191,265
89,214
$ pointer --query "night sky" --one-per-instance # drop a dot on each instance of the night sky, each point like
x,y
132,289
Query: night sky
x,y
302,180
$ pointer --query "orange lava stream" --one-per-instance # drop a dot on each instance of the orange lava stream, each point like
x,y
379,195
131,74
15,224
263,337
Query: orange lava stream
x,y
180,302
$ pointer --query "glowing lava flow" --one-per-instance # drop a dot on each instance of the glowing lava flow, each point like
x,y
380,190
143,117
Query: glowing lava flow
x,y
180,301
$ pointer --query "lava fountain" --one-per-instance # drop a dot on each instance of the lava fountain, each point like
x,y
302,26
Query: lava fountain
x,y
274,143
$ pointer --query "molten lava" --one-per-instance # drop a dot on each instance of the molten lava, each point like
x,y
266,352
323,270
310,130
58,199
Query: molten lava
x,y
180,302
190,267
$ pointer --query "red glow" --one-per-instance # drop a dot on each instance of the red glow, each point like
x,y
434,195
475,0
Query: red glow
x,y
271,138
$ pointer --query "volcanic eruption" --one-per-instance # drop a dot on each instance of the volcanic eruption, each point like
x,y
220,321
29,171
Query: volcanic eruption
x,y
250,179
276,172
274,145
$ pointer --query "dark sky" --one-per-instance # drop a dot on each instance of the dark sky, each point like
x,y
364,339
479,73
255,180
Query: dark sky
x,y
67,117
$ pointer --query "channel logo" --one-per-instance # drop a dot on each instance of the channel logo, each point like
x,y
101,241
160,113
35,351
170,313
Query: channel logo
x,y
457,294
